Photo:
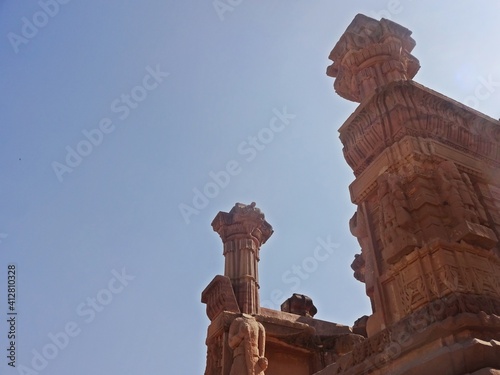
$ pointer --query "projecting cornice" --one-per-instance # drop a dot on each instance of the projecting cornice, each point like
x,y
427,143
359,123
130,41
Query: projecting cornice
x,y
406,108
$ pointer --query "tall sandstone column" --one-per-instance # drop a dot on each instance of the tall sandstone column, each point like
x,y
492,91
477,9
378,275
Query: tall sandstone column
x,y
243,230
427,190
232,299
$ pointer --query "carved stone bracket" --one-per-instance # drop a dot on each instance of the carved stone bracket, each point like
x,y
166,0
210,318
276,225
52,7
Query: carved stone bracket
x,y
219,296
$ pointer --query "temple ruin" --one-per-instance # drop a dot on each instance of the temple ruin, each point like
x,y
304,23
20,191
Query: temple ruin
x,y
427,190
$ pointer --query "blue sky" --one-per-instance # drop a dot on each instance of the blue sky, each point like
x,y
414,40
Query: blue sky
x,y
116,115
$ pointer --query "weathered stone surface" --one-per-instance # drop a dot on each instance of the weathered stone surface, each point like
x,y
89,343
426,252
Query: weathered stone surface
x,y
299,304
369,55
243,230
359,326
427,190
486,371
247,339
266,341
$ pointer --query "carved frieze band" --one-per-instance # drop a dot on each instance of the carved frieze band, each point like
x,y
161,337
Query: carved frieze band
x,y
406,108
412,211
430,274
381,348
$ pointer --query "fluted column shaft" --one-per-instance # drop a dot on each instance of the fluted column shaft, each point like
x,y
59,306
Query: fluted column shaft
x,y
243,230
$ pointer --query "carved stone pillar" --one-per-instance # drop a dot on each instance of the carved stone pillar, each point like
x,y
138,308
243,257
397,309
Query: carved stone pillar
x,y
427,187
243,230
371,54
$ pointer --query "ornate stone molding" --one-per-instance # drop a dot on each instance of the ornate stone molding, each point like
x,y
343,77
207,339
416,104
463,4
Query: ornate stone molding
x,y
455,312
407,108
219,297
243,221
369,55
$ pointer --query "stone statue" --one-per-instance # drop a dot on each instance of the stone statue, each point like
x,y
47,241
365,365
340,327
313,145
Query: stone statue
x,y
247,338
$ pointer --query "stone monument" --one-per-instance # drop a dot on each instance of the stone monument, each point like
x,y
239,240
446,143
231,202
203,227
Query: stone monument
x,y
427,190
244,338
427,187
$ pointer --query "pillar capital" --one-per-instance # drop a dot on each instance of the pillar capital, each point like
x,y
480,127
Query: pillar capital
x,y
243,221
369,55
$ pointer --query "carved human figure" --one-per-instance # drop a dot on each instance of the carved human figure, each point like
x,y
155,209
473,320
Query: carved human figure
x,y
477,205
387,211
362,264
402,217
458,192
395,220
448,181
247,338
466,195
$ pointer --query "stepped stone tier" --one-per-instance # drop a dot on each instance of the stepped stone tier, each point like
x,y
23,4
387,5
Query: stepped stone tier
x,y
427,190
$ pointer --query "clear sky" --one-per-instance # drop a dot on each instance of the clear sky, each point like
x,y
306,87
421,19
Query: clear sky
x,y
117,116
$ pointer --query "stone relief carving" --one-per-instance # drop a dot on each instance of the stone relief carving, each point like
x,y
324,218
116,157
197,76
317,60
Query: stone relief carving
x,y
405,130
433,287
364,51
395,220
401,333
477,205
412,293
214,356
219,296
247,338
449,276
465,215
359,229
447,181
